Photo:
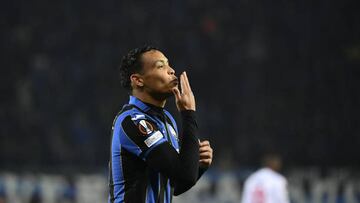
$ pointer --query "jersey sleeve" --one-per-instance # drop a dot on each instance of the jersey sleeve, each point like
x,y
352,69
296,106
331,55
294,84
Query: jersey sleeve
x,y
139,135
181,168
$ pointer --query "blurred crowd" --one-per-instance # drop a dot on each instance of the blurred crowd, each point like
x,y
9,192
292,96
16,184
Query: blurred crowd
x,y
267,75
306,185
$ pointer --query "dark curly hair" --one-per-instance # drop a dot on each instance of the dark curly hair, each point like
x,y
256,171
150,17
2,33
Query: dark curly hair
x,y
131,63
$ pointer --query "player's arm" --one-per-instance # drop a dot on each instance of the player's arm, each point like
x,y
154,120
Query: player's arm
x,y
205,159
182,168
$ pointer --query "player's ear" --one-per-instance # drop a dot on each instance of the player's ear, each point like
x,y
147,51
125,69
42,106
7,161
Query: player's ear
x,y
137,80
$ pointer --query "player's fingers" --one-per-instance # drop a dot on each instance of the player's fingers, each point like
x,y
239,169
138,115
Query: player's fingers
x,y
204,146
176,93
205,161
204,143
182,83
207,152
187,83
205,149
205,155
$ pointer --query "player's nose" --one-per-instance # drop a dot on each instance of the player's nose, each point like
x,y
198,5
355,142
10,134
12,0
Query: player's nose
x,y
171,71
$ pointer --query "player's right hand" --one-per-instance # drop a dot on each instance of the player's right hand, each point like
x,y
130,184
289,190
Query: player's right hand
x,y
185,99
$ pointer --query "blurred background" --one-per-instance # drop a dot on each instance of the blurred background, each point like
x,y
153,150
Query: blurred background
x,y
278,76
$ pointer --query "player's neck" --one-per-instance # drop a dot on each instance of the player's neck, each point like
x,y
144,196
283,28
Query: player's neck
x,y
149,99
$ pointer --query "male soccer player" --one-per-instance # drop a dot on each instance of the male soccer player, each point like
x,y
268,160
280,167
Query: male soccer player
x,y
266,185
149,160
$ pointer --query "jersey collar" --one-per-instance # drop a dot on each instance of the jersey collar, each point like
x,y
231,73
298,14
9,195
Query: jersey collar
x,y
137,102
145,107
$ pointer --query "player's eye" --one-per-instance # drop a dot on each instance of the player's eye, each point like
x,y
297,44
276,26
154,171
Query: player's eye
x,y
160,65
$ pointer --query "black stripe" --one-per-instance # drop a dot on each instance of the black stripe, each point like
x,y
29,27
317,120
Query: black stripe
x,y
136,176
171,193
162,188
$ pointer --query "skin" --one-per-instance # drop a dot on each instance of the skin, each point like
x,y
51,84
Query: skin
x,y
157,82
274,163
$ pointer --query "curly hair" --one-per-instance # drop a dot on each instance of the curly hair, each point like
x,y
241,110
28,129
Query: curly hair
x,y
131,63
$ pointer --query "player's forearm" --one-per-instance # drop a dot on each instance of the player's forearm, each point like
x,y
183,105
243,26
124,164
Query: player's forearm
x,y
181,187
189,152
181,168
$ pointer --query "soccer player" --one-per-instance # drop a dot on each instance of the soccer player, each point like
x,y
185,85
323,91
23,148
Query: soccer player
x,y
266,185
149,161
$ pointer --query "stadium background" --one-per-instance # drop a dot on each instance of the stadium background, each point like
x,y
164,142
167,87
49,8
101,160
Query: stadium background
x,y
267,75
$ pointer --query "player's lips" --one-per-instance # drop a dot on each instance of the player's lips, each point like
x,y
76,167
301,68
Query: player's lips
x,y
176,81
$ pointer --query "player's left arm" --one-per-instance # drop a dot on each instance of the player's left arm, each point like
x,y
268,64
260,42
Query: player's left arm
x,y
205,160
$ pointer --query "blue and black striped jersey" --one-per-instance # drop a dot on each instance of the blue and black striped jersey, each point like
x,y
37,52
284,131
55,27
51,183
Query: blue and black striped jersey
x,y
137,130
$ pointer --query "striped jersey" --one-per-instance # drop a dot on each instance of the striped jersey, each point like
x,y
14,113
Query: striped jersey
x,y
137,130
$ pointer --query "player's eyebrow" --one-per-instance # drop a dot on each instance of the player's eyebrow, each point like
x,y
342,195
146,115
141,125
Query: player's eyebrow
x,y
162,61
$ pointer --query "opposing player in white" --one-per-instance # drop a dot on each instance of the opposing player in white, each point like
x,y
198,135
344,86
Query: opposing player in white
x,y
266,185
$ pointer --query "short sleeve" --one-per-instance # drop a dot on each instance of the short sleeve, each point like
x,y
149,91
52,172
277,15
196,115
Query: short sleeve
x,y
139,135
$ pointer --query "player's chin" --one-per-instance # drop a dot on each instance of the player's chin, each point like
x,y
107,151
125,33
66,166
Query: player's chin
x,y
169,92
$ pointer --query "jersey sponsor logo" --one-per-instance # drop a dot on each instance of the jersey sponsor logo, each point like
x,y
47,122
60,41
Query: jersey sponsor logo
x,y
137,117
145,127
154,138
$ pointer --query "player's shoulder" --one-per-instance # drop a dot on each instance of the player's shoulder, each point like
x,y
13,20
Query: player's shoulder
x,y
281,178
271,174
131,117
132,113
265,173
255,175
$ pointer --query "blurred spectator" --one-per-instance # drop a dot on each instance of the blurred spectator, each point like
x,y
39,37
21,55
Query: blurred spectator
x,y
266,185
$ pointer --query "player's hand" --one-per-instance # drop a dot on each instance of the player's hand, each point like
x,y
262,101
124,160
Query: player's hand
x,y
185,99
206,154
